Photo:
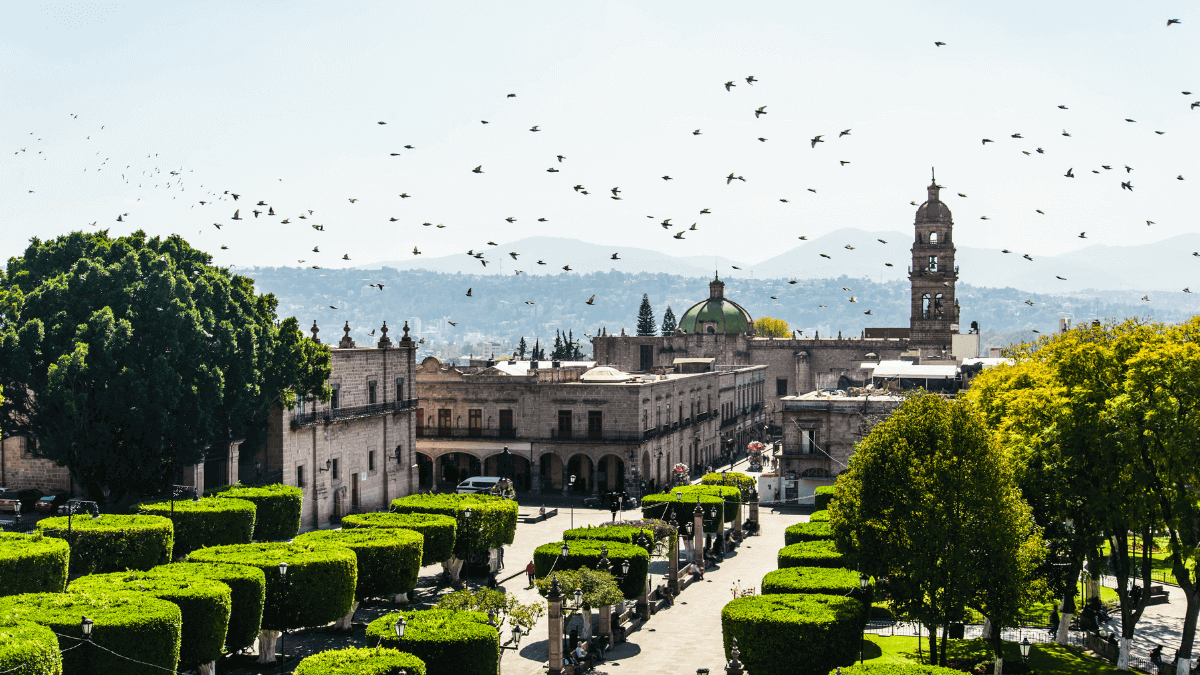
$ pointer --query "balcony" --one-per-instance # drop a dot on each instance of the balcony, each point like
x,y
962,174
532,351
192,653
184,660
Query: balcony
x,y
467,432
729,422
352,412
567,436
702,417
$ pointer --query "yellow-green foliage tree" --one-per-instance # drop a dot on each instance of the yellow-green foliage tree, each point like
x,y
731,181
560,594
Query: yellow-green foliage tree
x,y
771,327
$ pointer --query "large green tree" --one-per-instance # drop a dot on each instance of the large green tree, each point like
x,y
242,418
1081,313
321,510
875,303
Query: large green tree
x,y
669,324
930,503
645,324
128,358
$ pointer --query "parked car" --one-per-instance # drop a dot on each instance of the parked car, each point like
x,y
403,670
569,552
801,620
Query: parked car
x,y
606,500
29,498
477,485
50,503
8,499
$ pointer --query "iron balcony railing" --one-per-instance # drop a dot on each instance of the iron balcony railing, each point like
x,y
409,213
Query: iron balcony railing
x,y
464,432
351,412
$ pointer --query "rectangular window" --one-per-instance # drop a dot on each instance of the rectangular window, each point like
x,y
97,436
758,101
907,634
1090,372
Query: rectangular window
x,y
645,418
475,422
658,416
933,263
370,460
443,421
300,476
781,386
506,424
399,388
595,424
334,469
420,421
806,445
335,399
371,388
564,424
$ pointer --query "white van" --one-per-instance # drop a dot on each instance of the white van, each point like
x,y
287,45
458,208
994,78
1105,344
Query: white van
x,y
478,485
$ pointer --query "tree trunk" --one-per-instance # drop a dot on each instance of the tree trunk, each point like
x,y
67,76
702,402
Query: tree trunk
x,y
945,635
347,622
1064,627
266,645
1191,590
999,669
933,651
586,613
209,668
452,567
1123,658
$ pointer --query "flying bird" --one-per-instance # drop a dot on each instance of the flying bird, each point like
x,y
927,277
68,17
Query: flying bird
x,y
1017,135
514,254
825,256
560,158
416,251
1083,235
616,191
760,111
1127,185
1064,133
1027,257
1149,223
1171,21
591,301
316,249
667,178
696,132
987,140
843,162
774,297
236,216
345,256
762,139
1040,211
1063,107
678,235
615,257
703,211
353,199
961,195
478,169
939,44
816,139
1146,298
1069,173
1029,302
751,79
381,122
868,312
404,195
217,225
1129,120
1128,168
881,241
566,268
844,132
729,85
534,128
803,237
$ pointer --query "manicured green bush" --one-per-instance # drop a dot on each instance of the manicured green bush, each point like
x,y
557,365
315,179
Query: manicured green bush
x,y
824,495
248,591
793,633
361,661
820,553
113,543
449,642
665,507
207,522
136,626
819,517
438,530
741,481
622,533
493,519
205,605
806,532
895,668
278,508
824,580
586,553
389,558
27,648
320,580
32,563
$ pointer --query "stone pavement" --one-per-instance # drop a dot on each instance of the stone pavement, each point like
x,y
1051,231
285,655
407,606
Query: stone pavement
x,y
1159,625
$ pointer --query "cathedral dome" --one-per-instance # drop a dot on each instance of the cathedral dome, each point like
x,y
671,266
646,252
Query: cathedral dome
x,y
928,213
716,315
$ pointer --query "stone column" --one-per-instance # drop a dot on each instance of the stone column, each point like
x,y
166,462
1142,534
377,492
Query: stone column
x,y
673,567
698,537
737,521
754,511
643,601
605,620
555,620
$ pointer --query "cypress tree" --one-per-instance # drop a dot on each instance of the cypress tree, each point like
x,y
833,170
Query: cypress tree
x,y
521,348
669,324
645,324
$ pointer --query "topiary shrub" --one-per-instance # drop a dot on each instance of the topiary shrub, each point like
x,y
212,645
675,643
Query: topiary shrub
x,y
248,590
320,580
361,661
806,532
824,495
620,533
895,668
389,558
136,626
113,543
27,648
438,530
449,642
205,605
744,483
820,553
32,563
666,507
207,522
278,508
824,580
793,633
819,517
586,553
493,519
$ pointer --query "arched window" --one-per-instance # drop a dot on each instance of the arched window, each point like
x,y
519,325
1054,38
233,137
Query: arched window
x,y
933,237
937,305
933,263
925,306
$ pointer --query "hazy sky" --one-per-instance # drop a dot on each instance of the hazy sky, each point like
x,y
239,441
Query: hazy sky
x,y
279,102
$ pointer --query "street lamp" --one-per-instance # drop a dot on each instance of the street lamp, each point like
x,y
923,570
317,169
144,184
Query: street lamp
x,y
1025,645
863,582
282,636
516,644
571,488
467,564
565,550
578,598
399,627
85,626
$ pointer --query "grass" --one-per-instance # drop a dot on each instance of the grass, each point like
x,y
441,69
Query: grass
x,y
1038,613
1044,659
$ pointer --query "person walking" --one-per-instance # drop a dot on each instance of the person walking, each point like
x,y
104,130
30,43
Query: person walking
x,y
529,569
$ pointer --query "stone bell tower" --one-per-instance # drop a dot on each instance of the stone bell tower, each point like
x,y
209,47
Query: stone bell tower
x,y
934,316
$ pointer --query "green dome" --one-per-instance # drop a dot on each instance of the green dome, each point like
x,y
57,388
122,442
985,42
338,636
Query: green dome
x,y
716,315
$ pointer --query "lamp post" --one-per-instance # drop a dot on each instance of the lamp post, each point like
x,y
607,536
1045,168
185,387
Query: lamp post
x,y
85,626
470,540
399,627
571,488
1025,645
282,643
863,582
516,644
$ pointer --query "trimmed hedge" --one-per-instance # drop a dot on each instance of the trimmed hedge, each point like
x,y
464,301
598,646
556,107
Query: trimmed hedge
x,y
824,495
278,508
586,553
493,519
113,543
820,553
819,517
449,642
208,522
134,625
620,533
248,591
825,580
741,481
31,563
29,649
438,530
205,605
895,668
389,558
799,532
793,633
361,661
320,580
663,507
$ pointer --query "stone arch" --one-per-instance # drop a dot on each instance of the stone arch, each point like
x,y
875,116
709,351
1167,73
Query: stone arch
x,y
581,466
550,471
521,470
451,468
646,475
424,472
610,473
814,472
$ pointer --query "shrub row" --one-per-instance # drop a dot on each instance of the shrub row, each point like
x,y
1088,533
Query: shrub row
x,y
113,543
361,661
824,495
207,522
248,590
805,634
29,649
136,626
666,507
493,519
278,508
388,558
31,563
744,483
204,605
806,532
619,533
825,580
896,668
587,552
449,642
320,580
819,553
438,530
819,517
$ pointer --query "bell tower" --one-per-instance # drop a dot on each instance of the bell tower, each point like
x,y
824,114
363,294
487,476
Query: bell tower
x,y
934,316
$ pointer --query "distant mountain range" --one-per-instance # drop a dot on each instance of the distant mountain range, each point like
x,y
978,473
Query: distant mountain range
x,y
1166,265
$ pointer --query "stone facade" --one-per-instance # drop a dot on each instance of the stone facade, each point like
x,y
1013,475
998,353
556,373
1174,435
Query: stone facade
x,y
934,317
356,452
21,469
611,430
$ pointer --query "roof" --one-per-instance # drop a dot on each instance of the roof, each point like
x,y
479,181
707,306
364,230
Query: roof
x,y
730,318
605,374
522,367
693,361
925,214
907,369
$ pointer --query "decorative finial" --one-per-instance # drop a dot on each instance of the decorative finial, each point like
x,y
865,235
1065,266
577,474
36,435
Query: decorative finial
x,y
933,175
346,342
315,330
406,338
384,340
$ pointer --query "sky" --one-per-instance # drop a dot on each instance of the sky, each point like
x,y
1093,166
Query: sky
x,y
280,103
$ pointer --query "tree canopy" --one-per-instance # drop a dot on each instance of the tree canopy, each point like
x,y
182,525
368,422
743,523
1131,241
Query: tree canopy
x,y
645,324
769,327
126,358
669,323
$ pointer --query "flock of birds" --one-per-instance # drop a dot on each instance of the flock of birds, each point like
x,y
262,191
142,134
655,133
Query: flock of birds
x,y
150,174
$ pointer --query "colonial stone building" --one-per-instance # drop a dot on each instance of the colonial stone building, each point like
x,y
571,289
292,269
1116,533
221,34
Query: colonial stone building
x,y
611,430
934,316
356,452
20,468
